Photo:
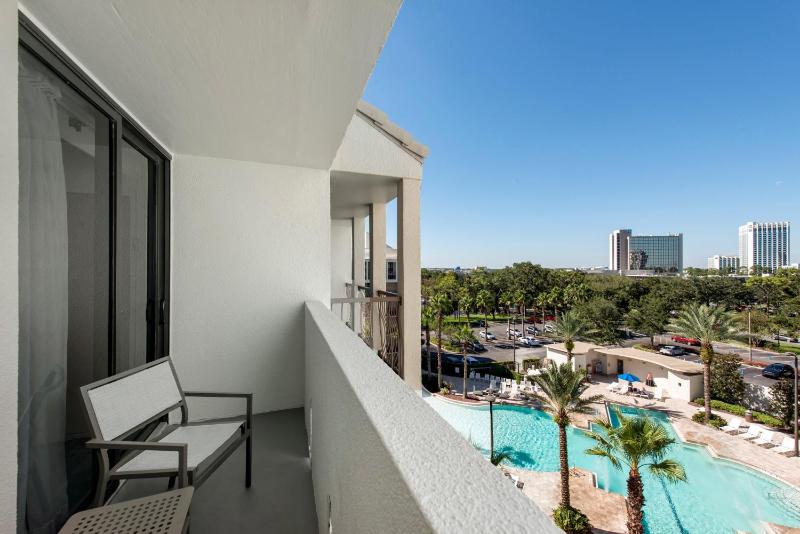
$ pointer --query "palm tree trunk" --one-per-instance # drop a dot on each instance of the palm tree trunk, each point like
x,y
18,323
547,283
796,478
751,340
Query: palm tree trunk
x,y
635,503
509,326
428,345
707,356
522,326
439,352
464,353
485,326
562,446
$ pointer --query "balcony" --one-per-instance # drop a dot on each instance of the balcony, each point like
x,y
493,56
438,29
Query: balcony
x,y
375,319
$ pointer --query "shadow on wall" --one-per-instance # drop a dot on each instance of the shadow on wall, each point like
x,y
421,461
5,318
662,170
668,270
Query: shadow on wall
x,y
757,397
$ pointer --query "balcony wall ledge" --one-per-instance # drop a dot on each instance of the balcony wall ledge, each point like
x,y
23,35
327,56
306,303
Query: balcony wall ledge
x,y
382,459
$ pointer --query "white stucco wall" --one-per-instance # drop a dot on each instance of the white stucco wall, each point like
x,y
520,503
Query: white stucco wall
x,y
250,244
9,280
373,456
341,255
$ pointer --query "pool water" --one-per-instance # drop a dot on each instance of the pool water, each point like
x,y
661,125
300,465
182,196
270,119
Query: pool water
x,y
720,496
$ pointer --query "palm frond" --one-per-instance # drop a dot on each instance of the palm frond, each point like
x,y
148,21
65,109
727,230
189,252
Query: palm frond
x,y
670,470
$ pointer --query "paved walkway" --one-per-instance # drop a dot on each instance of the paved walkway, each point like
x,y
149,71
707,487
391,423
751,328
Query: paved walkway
x,y
605,510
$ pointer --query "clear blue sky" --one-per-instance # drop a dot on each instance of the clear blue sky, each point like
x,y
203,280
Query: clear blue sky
x,y
551,123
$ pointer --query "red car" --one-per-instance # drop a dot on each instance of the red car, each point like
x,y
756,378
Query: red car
x,y
686,340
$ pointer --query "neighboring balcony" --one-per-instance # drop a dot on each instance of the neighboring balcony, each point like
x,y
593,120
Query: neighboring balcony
x,y
375,319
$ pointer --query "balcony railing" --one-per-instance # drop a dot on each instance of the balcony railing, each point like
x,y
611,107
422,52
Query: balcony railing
x,y
376,320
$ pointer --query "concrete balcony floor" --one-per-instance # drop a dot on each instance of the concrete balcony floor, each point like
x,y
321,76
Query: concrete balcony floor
x,y
281,498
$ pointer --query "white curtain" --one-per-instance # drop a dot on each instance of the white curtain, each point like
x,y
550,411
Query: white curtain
x,y
43,306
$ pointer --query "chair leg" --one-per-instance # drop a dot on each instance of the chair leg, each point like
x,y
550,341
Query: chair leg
x,y
100,494
171,483
248,461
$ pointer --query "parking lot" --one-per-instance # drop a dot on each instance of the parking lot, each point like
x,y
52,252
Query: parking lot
x,y
501,349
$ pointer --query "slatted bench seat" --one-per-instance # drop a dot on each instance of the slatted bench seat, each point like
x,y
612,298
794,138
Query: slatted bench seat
x,y
124,406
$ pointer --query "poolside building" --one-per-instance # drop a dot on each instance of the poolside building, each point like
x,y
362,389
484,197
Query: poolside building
x,y
678,378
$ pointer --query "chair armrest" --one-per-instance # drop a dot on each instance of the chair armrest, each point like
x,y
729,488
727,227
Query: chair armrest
x,y
181,448
247,396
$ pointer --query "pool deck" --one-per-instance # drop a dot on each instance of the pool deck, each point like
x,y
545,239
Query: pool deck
x,y
719,444
605,510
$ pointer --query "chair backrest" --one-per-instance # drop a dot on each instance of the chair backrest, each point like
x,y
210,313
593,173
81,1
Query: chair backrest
x,y
120,404
735,422
767,435
754,430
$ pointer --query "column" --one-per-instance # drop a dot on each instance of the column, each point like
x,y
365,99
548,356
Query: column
x,y
359,274
409,281
377,263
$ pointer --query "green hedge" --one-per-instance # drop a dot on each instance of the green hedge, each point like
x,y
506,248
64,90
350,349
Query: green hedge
x,y
716,421
736,409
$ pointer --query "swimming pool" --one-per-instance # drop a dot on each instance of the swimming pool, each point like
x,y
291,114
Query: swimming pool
x,y
720,497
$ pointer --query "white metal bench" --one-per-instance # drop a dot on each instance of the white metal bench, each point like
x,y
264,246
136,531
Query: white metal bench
x,y
124,406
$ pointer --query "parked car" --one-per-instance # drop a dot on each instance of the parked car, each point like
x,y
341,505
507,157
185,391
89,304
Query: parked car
x,y
488,335
778,370
549,327
671,350
781,337
513,331
477,347
529,341
532,329
544,341
686,340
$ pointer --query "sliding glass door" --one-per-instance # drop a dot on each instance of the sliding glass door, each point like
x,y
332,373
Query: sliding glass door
x,y
92,256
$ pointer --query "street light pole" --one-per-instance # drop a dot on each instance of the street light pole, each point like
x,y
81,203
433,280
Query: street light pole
x,y
796,450
490,399
749,334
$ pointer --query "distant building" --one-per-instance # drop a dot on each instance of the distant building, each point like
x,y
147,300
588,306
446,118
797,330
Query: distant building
x,y
724,263
764,245
645,254
391,267
618,253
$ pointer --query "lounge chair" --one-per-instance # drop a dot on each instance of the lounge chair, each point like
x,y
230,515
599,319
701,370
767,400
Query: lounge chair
x,y
613,386
624,390
658,394
733,426
787,445
752,432
765,438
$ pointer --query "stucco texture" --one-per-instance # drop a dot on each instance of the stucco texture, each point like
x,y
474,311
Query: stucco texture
x,y
251,243
383,461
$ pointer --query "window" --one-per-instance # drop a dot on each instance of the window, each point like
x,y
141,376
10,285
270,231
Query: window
x,y
93,251
391,271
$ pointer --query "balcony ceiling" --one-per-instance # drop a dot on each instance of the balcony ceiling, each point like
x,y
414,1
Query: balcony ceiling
x,y
271,81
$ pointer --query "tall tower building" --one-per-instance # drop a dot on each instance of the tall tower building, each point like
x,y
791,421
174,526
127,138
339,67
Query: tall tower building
x,y
618,250
764,245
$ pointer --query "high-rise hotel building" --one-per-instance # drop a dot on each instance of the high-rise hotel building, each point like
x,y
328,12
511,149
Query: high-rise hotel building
x,y
764,245
645,253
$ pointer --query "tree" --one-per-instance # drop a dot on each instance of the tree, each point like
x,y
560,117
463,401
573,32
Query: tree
x,y
781,403
570,327
428,320
650,317
561,397
636,443
463,335
602,318
440,303
727,383
483,301
708,324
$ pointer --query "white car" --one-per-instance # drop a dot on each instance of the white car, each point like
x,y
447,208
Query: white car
x,y
529,341
671,350
513,331
549,327
488,335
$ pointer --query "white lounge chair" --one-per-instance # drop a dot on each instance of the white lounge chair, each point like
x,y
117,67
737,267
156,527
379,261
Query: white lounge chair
x,y
624,390
765,438
734,425
613,386
658,394
787,445
752,432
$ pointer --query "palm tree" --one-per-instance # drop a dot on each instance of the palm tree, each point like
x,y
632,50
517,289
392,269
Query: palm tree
x,y
570,327
428,319
440,303
499,457
519,298
708,324
561,397
637,443
463,335
483,300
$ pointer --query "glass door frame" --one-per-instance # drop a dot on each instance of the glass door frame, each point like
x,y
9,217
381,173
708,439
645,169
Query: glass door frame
x,y
122,127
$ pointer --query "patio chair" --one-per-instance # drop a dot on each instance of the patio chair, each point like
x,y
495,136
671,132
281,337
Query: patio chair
x,y
765,438
613,386
122,407
752,432
624,390
658,394
733,426
787,445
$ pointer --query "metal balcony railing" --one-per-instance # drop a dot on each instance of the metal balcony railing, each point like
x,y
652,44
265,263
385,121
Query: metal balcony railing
x,y
376,320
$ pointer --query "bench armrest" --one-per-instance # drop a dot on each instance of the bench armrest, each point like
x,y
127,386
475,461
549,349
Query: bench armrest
x,y
181,448
247,396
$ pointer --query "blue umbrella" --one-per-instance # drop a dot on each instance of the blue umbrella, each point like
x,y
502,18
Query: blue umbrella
x,y
628,377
